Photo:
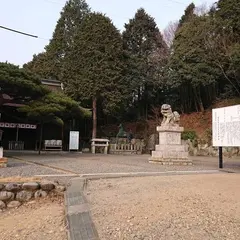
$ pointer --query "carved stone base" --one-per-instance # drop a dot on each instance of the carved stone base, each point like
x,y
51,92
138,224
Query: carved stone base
x,y
3,162
170,151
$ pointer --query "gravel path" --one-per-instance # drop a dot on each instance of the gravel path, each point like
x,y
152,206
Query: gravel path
x,y
17,168
87,163
173,207
43,220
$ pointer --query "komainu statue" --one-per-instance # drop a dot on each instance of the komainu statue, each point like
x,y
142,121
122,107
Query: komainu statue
x,y
169,118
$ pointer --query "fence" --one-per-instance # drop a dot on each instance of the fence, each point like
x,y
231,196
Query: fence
x,y
16,145
126,148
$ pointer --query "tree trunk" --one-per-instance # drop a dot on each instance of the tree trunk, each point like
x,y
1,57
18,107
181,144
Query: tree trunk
x,y
62,133
94,112
195,103
40,138
201,105
146,112
200,101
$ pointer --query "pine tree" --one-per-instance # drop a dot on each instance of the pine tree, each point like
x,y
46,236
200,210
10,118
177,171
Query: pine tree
x,y
49,64
188,14
144,43
39,103
94,66
19,83
26,88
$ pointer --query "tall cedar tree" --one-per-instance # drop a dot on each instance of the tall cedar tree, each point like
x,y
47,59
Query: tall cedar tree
x,y
228,12
226,47
144,42
94,66
193,72
49,63
188,14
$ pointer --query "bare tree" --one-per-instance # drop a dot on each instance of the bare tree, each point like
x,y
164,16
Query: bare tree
x,y
221,48
202,9
169,32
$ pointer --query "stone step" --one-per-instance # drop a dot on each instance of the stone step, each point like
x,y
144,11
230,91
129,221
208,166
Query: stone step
x,y
170,154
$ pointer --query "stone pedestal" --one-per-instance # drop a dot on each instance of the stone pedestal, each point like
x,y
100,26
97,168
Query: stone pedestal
x,y
170,151
3,161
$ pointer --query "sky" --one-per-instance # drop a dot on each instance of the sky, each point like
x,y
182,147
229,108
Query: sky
x,y
39,17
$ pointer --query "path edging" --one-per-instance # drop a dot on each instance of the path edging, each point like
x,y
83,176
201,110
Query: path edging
x,y
79,221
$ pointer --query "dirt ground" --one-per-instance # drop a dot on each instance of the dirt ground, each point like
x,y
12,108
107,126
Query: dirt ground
x,y
36,220
168,207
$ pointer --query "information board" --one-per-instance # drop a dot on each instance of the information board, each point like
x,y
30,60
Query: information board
x,y
226,126
74,140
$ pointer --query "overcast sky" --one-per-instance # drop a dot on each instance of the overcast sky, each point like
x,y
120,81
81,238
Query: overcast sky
x,y
39,17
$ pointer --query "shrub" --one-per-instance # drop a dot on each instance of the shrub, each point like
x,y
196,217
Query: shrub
x,y
189,135
208,135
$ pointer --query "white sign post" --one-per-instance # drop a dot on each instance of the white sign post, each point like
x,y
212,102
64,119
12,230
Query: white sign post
x,y
226,128
74,140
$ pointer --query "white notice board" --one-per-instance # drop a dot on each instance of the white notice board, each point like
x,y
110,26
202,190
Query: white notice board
x,y
74,140
226,126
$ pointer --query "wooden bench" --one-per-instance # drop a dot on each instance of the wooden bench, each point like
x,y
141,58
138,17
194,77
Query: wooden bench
x,y
53,145
98,142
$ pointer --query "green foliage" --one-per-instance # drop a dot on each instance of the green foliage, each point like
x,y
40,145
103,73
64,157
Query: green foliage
x,y
94,65
193,71
148,53
204,64
40,104
208,135
49,64
132,73
224,43
188,15
186,135
15,81
227,13
41,64
54,107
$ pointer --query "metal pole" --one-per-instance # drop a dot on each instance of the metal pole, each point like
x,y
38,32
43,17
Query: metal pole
x,y
40,138
220,158
17,134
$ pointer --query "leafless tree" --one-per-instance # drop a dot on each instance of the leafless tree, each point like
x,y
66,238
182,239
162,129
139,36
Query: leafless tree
x,y
169,32
202,9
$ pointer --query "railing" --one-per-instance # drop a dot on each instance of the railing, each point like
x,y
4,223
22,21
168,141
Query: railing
x,y
126,148
16,145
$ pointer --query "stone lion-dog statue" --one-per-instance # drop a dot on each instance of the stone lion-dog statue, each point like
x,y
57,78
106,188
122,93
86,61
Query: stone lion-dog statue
x,y
169,117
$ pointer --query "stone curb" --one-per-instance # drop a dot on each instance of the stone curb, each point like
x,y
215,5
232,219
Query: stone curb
x,y
79,221
96,176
